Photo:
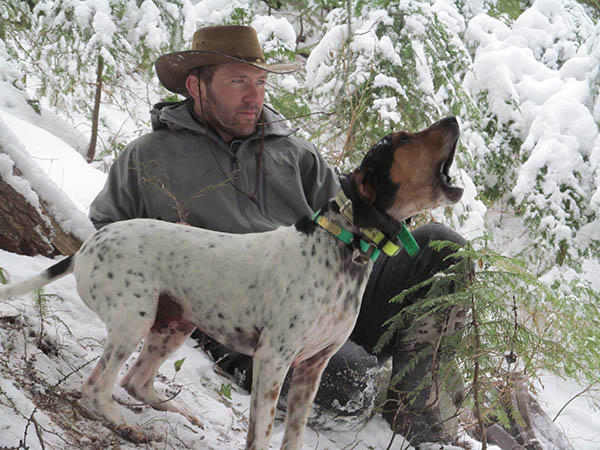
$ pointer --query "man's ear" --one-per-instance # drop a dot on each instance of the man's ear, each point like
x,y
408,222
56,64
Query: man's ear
x,y
364,187
192,84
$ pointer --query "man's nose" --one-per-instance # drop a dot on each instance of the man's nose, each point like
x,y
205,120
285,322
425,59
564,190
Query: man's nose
x,y
253,93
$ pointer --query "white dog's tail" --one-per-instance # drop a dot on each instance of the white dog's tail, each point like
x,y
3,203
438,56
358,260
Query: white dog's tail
x,y
52,273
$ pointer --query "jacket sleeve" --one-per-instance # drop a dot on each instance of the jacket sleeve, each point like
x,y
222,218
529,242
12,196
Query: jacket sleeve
x,y
320,181
122,197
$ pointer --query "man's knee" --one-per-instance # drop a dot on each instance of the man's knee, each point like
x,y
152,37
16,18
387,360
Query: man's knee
x,y
431,260
434,231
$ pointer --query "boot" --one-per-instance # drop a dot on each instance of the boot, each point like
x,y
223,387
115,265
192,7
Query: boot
x,y
412,407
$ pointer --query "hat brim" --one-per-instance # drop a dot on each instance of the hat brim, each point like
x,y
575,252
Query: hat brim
x,y
172,69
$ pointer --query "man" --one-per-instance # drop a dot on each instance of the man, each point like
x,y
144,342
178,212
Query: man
x,y
223,160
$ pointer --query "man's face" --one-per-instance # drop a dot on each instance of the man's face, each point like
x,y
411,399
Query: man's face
x,y
233,100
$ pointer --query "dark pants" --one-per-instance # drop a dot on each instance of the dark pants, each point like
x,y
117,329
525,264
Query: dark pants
x,y
348,384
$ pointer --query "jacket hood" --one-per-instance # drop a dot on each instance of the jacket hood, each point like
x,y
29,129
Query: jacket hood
x,y
179,116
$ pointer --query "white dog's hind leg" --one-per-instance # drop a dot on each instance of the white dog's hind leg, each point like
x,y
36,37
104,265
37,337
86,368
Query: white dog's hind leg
x,y
123,337
162,341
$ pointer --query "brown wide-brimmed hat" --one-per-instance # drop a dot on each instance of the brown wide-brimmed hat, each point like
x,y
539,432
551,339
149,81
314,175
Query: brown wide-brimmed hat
x,y
215,45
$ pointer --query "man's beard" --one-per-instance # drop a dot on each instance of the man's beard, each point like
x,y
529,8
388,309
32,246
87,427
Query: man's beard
x,y
225,119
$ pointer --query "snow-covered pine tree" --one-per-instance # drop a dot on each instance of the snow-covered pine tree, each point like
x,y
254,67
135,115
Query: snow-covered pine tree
x,y
79,55
536,77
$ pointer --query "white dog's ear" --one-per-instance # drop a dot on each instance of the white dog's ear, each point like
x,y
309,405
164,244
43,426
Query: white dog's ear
x,y
364,187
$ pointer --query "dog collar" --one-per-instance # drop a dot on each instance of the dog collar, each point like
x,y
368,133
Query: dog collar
x,y
377,241
389,245
347,237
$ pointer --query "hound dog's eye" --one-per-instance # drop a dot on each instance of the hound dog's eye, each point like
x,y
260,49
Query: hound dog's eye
x,y
400,138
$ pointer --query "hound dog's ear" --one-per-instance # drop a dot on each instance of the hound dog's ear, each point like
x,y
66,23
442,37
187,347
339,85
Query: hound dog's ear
x,y
364,186
373,175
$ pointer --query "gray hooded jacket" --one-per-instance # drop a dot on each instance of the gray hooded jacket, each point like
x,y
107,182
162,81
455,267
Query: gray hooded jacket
x,y
183,171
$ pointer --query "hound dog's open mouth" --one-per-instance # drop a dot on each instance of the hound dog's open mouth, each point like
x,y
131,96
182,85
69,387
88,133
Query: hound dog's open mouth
x,y
453,193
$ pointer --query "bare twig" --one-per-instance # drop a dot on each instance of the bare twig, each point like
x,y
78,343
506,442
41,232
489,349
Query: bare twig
x,y
96,111
140,405
181,207
77,369
391,441
579,394
38,430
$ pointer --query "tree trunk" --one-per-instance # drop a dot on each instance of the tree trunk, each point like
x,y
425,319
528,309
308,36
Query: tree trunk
x,y
24,231
96,113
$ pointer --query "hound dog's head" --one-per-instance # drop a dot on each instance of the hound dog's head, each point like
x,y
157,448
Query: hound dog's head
x,y
407,173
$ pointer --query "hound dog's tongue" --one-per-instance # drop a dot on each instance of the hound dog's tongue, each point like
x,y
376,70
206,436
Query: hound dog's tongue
x,y
365,215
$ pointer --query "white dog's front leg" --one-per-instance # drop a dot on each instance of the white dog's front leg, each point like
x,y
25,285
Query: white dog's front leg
x,y
303,389
268,372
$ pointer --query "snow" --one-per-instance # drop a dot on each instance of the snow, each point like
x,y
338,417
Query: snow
x,y
58,161
542,85
580,423
212,12
66,212
386,47
267,28
537,65
317,67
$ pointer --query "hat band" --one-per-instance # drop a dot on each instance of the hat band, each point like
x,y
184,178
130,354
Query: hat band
x,y
249,59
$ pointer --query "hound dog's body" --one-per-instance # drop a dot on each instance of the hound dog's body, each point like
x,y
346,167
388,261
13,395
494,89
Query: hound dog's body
x,y
289,297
